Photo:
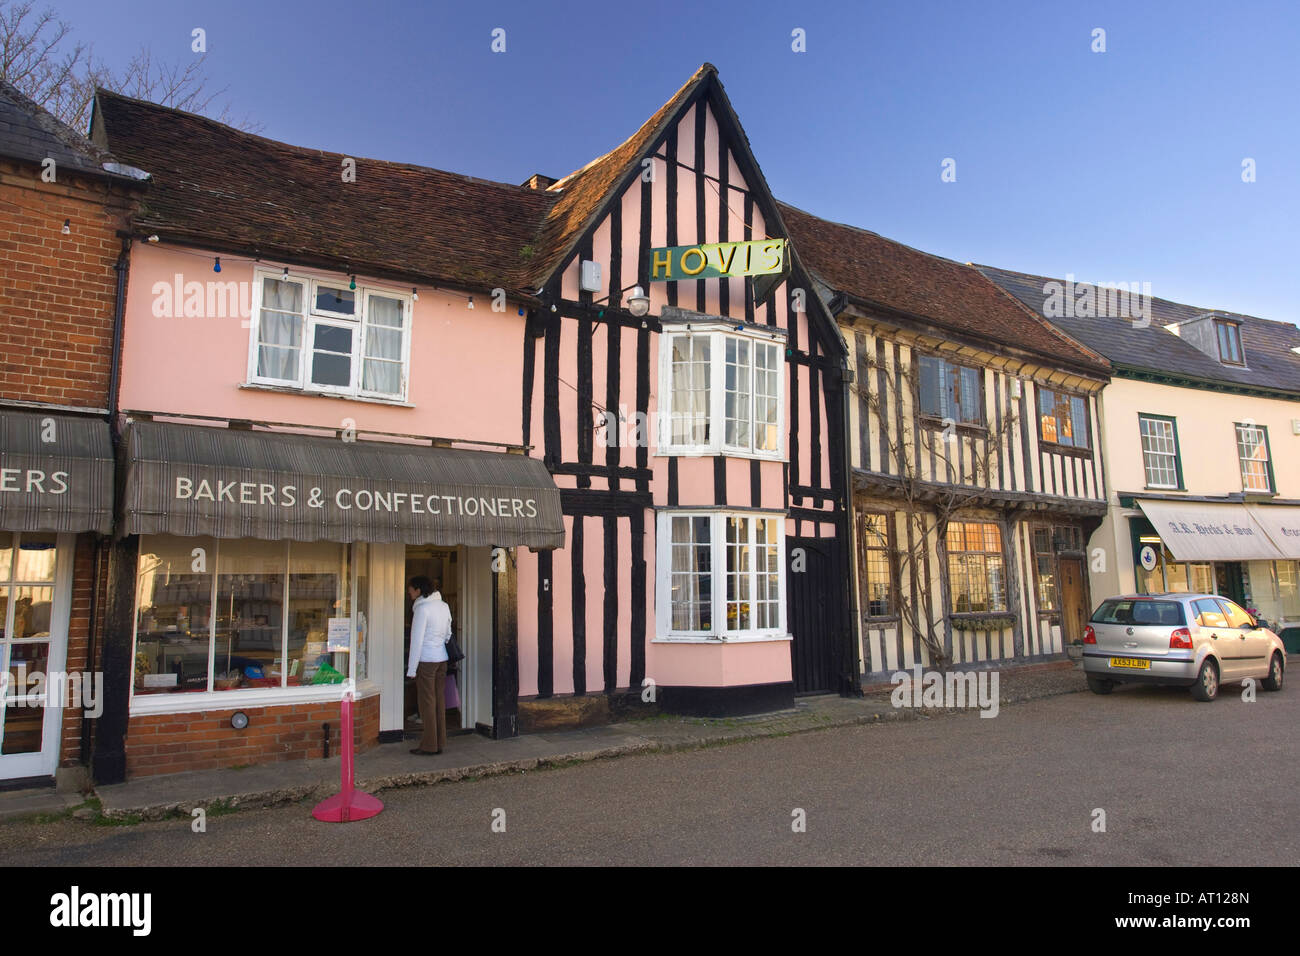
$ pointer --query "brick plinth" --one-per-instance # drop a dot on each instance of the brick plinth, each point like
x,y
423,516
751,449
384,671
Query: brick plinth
x,y
171,743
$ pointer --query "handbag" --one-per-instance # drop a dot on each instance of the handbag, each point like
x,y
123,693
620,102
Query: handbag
x,y
454,653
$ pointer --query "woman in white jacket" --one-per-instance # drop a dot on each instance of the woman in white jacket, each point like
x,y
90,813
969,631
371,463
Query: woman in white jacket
x,y
430,629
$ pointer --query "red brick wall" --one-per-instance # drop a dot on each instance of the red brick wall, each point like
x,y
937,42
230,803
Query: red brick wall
x,y
170,743
57,292
83,572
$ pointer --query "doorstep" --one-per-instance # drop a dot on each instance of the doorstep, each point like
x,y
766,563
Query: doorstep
x,y
37,800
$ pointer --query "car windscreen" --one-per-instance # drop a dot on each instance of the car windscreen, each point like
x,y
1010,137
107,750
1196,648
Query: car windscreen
x,y
1140,612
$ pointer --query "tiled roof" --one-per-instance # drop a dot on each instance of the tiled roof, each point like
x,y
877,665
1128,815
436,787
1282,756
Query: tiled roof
x,y
881,272
1267,344
219,186
582,193
30,133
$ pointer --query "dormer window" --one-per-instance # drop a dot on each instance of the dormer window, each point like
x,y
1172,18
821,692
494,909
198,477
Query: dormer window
x,y
1229,337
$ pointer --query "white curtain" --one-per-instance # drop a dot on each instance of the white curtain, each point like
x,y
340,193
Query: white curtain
x,y
280,330
383,366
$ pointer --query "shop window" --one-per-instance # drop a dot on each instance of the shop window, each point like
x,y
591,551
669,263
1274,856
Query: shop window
x,y
1063,419
327,338
1160,452
1045,568
741,417
1253,455
976,567
220,615
877,565
721,576
1184,578
1287,576
950,391
1229,337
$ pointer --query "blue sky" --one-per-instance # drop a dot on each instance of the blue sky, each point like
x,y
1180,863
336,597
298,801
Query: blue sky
x,y
1117,166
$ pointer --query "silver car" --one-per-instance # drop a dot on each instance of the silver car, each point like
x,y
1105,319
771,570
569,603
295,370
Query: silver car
x,y
1190,640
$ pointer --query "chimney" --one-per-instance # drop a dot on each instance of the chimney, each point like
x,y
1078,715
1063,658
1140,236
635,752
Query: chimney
x,y
539,182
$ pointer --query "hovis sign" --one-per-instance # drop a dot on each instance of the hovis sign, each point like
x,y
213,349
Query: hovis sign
x,y
717,259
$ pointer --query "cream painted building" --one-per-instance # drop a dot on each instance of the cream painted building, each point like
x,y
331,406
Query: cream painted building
x,y
1201,441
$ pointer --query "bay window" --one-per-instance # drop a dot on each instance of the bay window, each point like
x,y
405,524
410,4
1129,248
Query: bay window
x,y
324,337
720,576
721,393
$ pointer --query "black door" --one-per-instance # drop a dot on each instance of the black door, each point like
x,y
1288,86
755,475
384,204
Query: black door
x,y
815,614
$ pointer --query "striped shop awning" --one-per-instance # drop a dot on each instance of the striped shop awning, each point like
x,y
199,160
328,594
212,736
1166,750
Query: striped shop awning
x,y
56,472
1209,531
238,483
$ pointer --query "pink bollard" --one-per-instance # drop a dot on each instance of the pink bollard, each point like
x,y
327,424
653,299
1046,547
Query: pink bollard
x,y
349,804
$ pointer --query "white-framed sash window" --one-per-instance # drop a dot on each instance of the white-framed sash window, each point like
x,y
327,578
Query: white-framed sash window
x,y
722,392
721,576
323,337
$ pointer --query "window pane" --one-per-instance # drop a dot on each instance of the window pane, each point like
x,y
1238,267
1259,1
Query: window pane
x,y
250,608
282,296
385,311
1079,417
932,386
690,582
767,560
1047,416
739,565
32,608
174,589
971,380
279,337
1158,452
738,400
318,591
6,555
36,554
689,424
1288,587
1046,582
332,299
279,330
332,355
1252,451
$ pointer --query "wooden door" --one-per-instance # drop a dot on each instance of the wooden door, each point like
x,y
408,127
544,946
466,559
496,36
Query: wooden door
x,y
1074,601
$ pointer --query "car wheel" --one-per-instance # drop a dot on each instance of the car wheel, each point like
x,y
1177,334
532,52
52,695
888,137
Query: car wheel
x,y
1274,679
1207,682
1099,685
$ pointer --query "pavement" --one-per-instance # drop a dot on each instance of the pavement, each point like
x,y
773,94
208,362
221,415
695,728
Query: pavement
x,y
472,756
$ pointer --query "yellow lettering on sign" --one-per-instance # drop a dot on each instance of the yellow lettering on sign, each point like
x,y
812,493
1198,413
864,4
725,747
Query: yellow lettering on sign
x,y
726,253
698,269
773,251
666,262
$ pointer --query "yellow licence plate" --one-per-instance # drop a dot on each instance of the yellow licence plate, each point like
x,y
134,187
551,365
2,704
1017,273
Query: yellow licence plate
x,y
1134,662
